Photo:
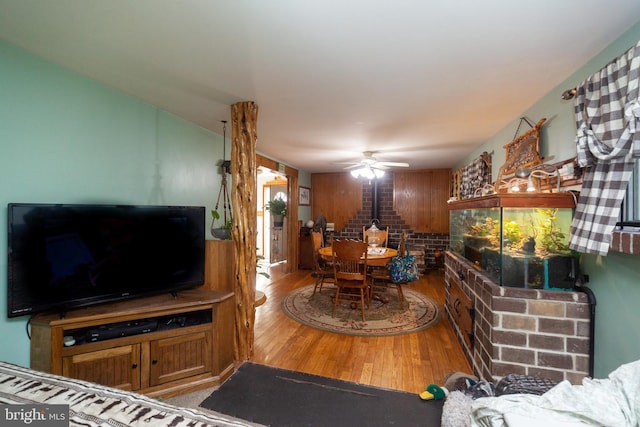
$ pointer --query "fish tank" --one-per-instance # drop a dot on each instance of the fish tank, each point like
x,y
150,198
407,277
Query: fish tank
x,y
517,240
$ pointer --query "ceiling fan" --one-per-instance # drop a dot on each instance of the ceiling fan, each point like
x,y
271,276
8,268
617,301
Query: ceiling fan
x,y
369,167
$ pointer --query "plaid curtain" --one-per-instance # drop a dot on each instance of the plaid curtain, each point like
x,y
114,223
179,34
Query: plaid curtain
x,y
607,110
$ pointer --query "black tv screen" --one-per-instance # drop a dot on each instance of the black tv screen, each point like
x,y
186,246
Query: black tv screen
x,y
62,256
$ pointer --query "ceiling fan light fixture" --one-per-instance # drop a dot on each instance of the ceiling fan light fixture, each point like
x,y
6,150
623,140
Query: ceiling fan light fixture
x,y
371,168
367,172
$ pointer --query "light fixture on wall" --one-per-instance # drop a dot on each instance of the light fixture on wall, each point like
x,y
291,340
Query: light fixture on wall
x,y
367,172
531,177
542,173
522,176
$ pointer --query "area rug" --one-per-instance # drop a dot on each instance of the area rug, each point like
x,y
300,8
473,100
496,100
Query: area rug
x,y
279,397
381,319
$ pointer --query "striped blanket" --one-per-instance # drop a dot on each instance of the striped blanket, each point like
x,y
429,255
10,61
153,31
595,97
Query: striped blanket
x,y
92,405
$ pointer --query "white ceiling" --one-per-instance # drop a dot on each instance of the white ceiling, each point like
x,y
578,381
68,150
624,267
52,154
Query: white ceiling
x,y
419,81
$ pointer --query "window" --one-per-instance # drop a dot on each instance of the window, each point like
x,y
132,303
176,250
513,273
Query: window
x,y
630,210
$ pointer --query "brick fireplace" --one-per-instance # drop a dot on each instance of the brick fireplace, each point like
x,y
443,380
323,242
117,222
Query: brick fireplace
x,y
543,333
423,245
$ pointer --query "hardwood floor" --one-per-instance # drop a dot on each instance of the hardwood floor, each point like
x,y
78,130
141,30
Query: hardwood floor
x,y
407,362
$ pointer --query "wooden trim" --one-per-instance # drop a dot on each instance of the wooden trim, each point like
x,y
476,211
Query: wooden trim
x,y
514,200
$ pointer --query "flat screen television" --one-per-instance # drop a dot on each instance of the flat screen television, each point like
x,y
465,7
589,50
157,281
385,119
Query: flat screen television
x,y
63,256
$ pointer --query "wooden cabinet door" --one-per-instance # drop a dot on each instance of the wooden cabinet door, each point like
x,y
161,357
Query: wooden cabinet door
x,y
305,249
115,367
461,308
180,357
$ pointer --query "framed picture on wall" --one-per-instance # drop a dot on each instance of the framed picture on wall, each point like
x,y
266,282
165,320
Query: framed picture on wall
x,y
304,196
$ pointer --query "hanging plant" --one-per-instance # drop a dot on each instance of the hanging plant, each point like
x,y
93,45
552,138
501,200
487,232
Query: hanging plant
x,y
223,231
277,207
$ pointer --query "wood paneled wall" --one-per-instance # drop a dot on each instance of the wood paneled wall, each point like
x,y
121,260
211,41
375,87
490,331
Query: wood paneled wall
x,y
419,198
337,196
220,261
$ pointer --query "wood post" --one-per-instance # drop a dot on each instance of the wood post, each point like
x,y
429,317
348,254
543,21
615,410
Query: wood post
x,y
244,118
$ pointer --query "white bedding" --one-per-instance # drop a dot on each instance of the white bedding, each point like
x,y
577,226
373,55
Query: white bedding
x,y
610,402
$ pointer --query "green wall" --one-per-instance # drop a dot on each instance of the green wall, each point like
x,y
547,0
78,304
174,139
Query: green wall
x,y
68,139
614,279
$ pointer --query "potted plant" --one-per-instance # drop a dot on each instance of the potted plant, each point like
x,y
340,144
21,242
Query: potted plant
x,y
222,232
278,209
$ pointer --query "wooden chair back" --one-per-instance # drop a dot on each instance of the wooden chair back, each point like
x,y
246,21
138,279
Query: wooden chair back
x,y
350,260
323,270
318,240
318,243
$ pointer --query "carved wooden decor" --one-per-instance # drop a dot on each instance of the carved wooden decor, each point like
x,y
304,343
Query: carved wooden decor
x,y
522,151
244,117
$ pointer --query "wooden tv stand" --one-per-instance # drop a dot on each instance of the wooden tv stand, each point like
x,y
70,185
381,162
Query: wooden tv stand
x,y
159,345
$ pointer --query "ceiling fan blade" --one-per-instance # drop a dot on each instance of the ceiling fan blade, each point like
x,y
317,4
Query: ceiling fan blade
x,y
394,164
368,161
379,165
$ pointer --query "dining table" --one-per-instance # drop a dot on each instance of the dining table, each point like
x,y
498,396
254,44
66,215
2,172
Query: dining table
x,y
376,256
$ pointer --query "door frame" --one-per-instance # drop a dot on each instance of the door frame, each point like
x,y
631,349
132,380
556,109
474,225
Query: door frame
x,y
292,207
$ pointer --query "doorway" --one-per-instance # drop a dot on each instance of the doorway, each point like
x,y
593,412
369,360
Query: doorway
x,y
271,238
292,224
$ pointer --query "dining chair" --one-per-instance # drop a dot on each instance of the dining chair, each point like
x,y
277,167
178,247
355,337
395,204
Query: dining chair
x,y
381,277
382,237
350,273
322,270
